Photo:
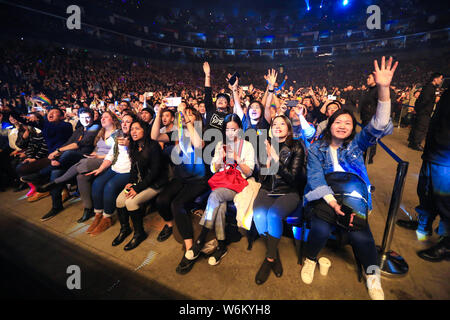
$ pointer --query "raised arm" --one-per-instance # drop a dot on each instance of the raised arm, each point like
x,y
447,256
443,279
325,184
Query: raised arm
x,y
271,78
237,108
156,128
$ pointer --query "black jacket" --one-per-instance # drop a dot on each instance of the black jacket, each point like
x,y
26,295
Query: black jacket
x,y
291,175
369,103
148,170
425,102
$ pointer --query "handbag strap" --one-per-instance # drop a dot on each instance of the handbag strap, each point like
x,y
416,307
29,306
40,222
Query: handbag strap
x,y
241,144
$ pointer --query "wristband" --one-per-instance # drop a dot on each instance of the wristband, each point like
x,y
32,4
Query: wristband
x,y
271,91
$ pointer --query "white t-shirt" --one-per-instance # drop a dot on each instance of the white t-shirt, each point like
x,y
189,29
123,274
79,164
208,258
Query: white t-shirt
x,y
247,157
123,163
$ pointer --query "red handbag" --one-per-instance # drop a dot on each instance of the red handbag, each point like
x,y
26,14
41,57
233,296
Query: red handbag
x,y
229,178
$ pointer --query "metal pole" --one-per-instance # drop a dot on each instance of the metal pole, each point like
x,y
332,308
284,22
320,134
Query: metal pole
x,y
391,263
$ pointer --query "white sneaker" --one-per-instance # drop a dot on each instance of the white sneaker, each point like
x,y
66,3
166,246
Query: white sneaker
x,y
374,286
307,272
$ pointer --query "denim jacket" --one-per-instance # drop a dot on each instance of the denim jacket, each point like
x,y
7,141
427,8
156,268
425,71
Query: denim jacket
x,y
350,158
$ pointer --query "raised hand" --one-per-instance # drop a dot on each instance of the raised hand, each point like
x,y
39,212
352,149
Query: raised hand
x,y
206,68
271,77
383,76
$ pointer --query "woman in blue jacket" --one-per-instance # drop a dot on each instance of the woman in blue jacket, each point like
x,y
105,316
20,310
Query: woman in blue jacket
x,y
341,149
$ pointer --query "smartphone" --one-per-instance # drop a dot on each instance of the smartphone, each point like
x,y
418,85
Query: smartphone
x,y
68,110
291,103
284,95
331,97
233,78
245,88
102,103
149,94
173,101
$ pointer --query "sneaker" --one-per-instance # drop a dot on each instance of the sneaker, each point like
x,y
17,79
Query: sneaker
x,y
165,233
374,286
421,236
194,252
217,256
38,196
185,265
53,212
307,273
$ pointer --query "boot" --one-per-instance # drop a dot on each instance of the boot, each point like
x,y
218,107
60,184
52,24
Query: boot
x,y
125,230
94,224
137,216
87,214
438,252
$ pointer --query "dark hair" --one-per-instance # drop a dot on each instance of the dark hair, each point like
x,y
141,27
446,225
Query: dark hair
x,y
133,148
435,75
290,137
169,111
56,108
86,110
327,132
230,118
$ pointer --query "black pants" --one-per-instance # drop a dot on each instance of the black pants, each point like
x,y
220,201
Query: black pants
x,y
172,200
419,128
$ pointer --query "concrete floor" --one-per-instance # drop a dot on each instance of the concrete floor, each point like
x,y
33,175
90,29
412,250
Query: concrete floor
x,y
40,252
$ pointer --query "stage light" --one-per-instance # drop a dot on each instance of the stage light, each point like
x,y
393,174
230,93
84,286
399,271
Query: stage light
x,y
345,2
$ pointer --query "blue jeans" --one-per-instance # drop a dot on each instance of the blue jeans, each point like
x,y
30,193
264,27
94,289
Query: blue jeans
x,y
105,189
361,241
269,212
433,190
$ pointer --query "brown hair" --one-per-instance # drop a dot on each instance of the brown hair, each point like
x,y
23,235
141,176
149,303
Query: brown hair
x,y
101,133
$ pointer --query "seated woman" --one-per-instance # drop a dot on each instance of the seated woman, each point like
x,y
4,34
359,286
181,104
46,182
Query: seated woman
x,y
110,179
235,151
301,128
103,143
341,149
35,151
328,109
190,179
148,175
280,191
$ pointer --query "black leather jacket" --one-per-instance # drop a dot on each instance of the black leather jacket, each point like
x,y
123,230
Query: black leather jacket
x,y
148,169
291,175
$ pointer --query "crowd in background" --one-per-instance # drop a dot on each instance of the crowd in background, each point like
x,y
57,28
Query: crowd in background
x,y
108,123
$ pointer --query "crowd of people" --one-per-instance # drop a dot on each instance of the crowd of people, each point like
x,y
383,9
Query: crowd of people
x,y
125,134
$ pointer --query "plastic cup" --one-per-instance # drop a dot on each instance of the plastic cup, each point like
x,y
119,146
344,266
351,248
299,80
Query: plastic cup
x,y
324,265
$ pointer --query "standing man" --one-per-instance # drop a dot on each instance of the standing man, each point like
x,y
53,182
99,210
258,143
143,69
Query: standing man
x,y
424,108
369,100
433,188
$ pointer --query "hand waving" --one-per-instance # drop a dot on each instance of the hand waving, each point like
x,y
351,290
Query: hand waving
x,y
271,77
383,76
206,68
